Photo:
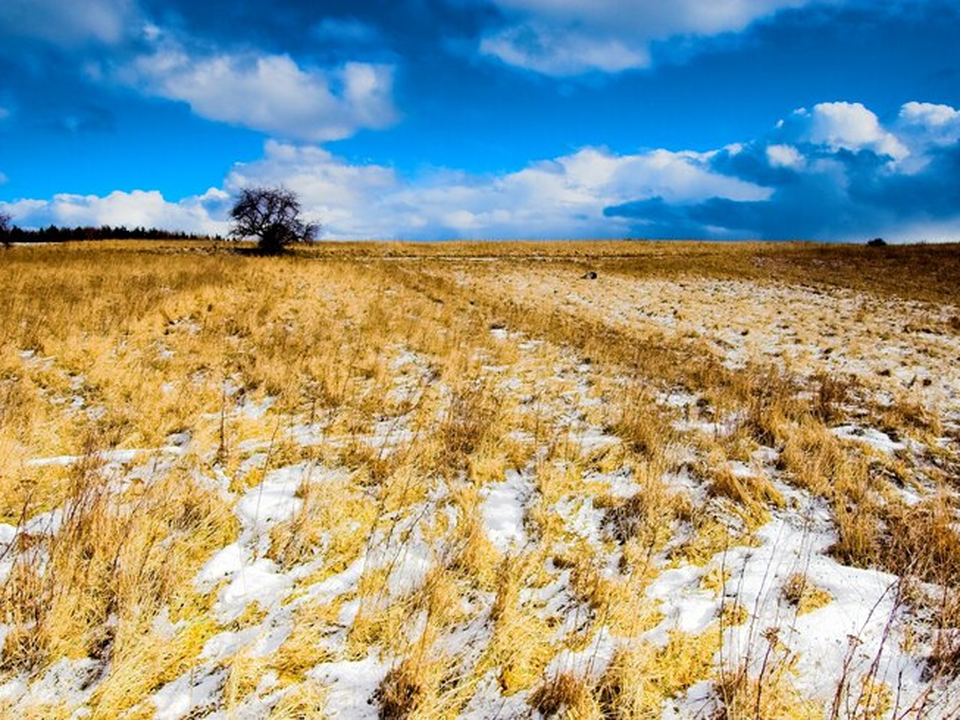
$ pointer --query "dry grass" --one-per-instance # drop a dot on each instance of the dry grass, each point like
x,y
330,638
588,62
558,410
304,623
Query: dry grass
x,y
151,394
565,696
767,698
803,595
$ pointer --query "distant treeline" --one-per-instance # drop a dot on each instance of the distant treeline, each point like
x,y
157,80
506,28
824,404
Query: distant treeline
x,y
104,232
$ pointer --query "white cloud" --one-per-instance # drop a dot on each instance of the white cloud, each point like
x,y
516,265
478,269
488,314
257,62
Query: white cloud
x,y
925,128
67,22
339,195
569,37
848,126
561,52
853,178
679,177
270,93
930,124
784,156
564,197
930,116
567,196
911,139
132,209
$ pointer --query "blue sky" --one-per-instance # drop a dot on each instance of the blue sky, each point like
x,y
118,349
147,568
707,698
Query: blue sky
x,y
832,120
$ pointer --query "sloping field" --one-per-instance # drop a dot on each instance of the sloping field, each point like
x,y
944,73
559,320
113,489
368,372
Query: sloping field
x,y
474,480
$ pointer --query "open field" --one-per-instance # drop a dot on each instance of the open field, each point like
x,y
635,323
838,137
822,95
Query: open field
x,y
465,480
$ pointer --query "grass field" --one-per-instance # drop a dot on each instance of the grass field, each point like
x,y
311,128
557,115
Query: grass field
x,y
471,480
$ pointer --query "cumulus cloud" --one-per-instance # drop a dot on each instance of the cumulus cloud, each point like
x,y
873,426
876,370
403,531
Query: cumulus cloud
x,y
926,128
564,197
784,156
341,196
202,214
566,37
266,92
824,174
847,126
834,173
932,117
67,22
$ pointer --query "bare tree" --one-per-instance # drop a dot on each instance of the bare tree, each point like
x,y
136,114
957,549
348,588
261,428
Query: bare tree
x,y
272,215
5,228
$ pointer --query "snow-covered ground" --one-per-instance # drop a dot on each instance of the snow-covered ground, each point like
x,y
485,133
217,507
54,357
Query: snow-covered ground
x,y
549,517
890,345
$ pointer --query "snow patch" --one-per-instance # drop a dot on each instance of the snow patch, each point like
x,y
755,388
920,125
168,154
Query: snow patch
x,y
190,692
351,687
503,510
869,436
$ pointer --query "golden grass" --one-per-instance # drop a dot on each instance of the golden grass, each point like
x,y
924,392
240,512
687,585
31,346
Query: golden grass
x,y
768,698
565,696
377,363
803,595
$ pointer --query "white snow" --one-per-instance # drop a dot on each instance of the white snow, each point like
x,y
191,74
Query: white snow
x,y
390,434
685,605
405,358
796,540
257,410
488,702
8,533
340,583
249,575
189,692
503,510
223,564
620,483
260,581
591,662
869,436
581,518
68,682
590,438
351,686
273,500
112,458
47,523
116,456
410,566
863,601
225,645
